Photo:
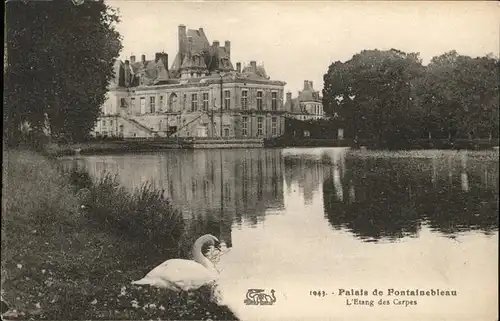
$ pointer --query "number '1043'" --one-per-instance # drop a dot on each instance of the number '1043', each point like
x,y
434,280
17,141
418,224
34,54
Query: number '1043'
x,y
320,293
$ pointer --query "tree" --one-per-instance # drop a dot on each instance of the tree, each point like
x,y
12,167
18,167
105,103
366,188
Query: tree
x,y
390,96
374,93
461,93
60,60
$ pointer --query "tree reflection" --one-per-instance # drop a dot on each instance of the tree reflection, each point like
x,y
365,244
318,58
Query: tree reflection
x,y
378,206
392,197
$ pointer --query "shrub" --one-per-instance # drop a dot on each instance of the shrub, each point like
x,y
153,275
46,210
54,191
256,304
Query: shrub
x,y
144,216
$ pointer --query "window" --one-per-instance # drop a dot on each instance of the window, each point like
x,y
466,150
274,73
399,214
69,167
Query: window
x,y
227,99
259,100
172,102
152,103
274,126
205,101
244,99
194,102
227,192
161,102
132,101
226,132
274,101
123,102
143,105
260,131
244,126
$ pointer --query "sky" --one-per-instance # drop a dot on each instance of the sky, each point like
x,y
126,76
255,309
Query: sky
x,y
297,41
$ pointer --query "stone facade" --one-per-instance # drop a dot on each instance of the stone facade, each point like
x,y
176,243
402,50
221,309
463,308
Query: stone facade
x,y
201,95
308,105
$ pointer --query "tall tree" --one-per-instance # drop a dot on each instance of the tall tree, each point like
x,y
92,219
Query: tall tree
x,y
462,94
389,95
60,60
374,93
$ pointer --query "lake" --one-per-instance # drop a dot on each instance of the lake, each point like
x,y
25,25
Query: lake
x,y
340,221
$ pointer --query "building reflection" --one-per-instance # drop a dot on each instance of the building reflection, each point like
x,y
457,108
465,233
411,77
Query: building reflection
x,y
310,170
214,189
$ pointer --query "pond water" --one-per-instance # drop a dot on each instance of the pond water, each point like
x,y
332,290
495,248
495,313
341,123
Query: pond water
x,y
325,219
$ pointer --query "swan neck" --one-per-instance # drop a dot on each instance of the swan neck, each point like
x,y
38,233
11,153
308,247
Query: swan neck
x,y
199,257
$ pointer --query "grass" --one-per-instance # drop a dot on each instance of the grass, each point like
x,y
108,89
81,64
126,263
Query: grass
x,y
62,262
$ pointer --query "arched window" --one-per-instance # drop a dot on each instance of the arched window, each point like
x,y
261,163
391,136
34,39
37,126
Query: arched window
x,y
172,103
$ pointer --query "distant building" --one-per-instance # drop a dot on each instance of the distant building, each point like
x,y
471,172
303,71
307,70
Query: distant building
x,y
308,105
147,99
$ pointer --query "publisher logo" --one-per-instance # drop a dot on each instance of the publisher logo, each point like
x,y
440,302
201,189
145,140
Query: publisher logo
x,y
259,297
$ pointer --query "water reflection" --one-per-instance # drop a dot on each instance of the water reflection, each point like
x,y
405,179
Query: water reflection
x,y
212,188
390,197
373,195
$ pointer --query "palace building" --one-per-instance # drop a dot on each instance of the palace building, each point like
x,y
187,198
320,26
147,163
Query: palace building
x,y
308,105
201,95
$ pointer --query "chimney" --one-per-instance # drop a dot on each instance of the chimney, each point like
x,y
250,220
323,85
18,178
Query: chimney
x,y
253,64
289,102
127,73
143,59
201,31
238,66
157,56
132,59
311,85
190,43
164,57
227,45
182,39
306,84
215,44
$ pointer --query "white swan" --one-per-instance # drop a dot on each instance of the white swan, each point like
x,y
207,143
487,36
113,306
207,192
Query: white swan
x,y
184,275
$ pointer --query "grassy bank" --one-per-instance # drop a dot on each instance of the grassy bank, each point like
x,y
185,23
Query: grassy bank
x,y
62,262
473,144
436,143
